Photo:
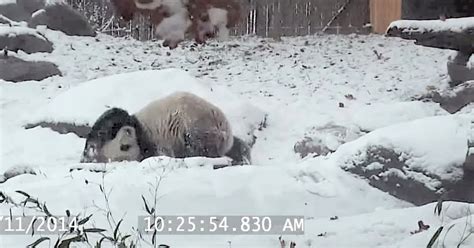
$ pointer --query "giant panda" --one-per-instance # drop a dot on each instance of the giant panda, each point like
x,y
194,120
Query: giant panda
x,y
179,125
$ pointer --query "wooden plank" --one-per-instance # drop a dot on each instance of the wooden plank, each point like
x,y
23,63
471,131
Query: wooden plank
x,y
383,12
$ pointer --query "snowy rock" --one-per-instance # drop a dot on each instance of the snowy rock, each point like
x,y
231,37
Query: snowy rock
x,y
25,39
311,146
326,139
455,33
458,69
469,164
16,171
454,99
63,18
14,12
17,70
20,10
417,161
64,128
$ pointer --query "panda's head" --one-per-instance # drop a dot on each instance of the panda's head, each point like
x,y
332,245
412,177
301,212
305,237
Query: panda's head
x,y
113,137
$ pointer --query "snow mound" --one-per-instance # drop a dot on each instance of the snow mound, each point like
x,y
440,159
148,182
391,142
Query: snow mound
x,y
132,91
419,161
458,25
434,145
6,30
371,117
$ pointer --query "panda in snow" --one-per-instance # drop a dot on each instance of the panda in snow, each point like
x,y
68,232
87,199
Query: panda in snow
x,y
179,125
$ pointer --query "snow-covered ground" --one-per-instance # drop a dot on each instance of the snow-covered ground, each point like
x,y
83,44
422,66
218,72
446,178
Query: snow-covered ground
x,y
361,82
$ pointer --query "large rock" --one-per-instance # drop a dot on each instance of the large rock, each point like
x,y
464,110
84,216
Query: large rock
x,y
321,141
458,69
455,98
20,10
63,18
16,70
455,33
23,38
14,12
418,161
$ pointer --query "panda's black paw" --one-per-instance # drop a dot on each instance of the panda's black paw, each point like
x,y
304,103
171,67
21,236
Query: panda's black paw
x,y
240,153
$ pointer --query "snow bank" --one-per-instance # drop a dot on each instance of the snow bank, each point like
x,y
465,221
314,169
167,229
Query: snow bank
x,y
6,30
242,190
433,145
378,115
457,25
82,105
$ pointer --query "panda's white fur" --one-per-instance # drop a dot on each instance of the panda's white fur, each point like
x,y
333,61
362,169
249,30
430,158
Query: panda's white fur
x,y
179,125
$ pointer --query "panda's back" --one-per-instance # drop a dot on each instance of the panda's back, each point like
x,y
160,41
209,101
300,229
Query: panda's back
x,y
169,119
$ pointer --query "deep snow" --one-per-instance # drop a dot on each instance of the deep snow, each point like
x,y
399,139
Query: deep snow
x,y
364,82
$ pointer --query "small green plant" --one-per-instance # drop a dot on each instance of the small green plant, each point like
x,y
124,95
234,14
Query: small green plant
x,y
467,231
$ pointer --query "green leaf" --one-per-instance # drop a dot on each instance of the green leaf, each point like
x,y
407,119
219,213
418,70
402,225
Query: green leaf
x,y
67,242
439,206
46,210
33,229
94,230
435,237
116,229
23,193
3,198
56,245
146,206
85,220
37,242
125,237
153,237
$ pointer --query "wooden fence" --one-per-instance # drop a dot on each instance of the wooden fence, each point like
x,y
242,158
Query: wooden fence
x,y
274,18
265,18
383,12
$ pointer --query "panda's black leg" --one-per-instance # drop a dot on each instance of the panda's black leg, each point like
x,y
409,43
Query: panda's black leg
x,y
199,144
240,153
